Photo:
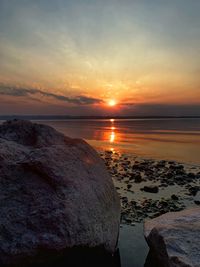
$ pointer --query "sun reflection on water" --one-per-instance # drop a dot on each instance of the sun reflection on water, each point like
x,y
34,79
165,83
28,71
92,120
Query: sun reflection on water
x,y
112,137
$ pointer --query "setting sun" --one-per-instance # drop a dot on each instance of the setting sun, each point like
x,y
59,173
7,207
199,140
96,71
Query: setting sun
x,y
112,103
102,100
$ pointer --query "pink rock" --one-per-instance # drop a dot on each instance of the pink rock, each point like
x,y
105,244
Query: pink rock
x,y
174,238
55,193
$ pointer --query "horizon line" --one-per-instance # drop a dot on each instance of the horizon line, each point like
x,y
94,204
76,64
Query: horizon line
x,y
35,117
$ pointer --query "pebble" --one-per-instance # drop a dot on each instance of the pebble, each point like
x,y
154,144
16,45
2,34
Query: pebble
x,y
150,189
174,197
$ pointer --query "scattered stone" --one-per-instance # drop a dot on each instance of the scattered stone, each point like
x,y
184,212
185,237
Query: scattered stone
x,y
133,170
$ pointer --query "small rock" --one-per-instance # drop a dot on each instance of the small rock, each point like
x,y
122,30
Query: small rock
x,y
174,197
191,175
129,186
138,178
194,190
197,202
150,189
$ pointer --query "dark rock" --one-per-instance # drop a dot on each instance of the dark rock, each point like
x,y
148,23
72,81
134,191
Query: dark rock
x,y
176,167
174,197
193,190
164,185
129,186
161,164
108,152
150,189
191,175
138,178
169,175
55,195
171,183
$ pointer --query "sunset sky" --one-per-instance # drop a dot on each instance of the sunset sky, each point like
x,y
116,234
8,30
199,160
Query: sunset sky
x,y
74,56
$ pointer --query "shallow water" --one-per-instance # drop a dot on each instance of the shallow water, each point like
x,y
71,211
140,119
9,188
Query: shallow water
x,y
173,139
133,248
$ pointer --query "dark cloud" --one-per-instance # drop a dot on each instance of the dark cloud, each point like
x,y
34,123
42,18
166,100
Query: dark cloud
x,y
128,104
160,109
19,91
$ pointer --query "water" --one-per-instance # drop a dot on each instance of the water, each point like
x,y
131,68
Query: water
x,y
173,139
133,248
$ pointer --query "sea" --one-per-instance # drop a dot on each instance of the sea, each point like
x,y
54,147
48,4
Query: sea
x,y
170,138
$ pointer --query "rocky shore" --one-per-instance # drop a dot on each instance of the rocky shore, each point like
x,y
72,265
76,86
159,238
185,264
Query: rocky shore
x,y
58,200
149,188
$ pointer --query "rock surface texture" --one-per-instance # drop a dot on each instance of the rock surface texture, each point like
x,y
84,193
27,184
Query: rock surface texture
x,y
174,238
55,193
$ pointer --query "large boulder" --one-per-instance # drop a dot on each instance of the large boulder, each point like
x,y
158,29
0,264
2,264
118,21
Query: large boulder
x,y
174,239
55,195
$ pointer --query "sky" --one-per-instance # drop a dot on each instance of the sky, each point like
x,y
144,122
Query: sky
x,y
72,57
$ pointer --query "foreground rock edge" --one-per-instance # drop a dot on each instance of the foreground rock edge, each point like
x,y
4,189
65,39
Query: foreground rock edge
x,y
174,239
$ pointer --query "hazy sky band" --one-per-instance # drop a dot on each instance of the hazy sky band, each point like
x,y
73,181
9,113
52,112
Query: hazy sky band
x,y
141,52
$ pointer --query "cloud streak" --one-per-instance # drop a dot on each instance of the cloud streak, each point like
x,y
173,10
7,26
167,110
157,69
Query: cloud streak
x,y
27,92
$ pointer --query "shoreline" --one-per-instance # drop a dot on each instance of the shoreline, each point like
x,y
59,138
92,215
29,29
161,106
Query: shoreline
x,y
178,188
149,187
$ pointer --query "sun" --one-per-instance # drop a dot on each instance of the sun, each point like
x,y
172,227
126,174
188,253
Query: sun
x,y
112,103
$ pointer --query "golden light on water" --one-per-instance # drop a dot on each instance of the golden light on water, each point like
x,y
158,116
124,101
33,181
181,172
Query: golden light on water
x,y
112,134
112,137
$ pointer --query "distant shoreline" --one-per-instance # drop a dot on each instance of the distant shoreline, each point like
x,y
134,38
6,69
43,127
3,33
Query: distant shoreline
x,y
66,117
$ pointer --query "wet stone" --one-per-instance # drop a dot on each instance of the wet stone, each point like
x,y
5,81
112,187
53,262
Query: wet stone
x,y
174,197
150,189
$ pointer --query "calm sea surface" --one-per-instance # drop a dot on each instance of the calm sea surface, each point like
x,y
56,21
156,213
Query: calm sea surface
x,y
173,139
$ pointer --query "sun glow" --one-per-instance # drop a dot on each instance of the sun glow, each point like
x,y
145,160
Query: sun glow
x,y
112,103
112,137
